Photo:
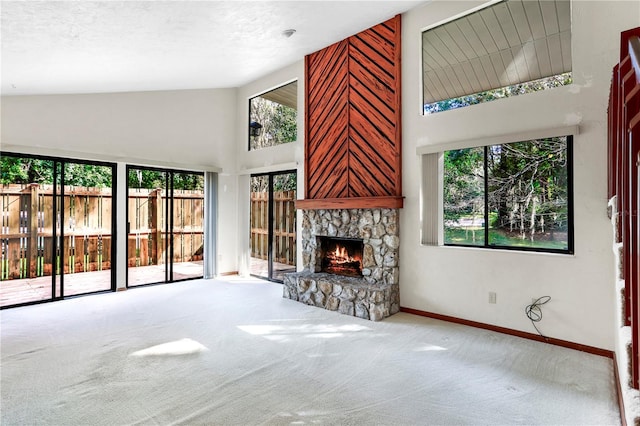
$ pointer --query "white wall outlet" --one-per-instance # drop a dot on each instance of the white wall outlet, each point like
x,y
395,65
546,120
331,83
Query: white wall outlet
x,y
492,297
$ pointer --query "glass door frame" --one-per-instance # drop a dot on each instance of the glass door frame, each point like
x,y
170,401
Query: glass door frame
x,y
270,219
58,194
168,225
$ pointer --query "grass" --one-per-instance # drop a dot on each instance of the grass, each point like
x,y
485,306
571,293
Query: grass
x,y
500,238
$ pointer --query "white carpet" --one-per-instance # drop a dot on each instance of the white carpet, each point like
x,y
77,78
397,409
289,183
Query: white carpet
x,y
235,352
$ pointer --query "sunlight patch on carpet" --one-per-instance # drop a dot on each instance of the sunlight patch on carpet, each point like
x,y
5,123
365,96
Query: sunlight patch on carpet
x,y
427,348
178,347
283,333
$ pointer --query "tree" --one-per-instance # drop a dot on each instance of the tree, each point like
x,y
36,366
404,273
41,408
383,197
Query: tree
x,y
19,170
87,175
279,122
463,187
499,93
528,184
527,190
153,179
281,182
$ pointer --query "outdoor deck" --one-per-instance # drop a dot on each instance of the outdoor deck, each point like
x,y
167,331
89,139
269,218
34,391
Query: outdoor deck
x,y
13,292
260,268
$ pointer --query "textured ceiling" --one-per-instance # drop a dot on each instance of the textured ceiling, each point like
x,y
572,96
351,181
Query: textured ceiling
x,y
113,46
508,43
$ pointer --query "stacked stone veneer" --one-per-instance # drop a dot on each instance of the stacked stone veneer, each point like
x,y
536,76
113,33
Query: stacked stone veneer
x,y
376,294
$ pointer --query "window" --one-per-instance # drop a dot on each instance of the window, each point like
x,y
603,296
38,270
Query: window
x,y
273,117
510,48
512,195
165,211
58,217
273,224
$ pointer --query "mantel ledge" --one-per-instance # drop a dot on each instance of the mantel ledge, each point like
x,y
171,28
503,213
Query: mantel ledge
x,y
393,202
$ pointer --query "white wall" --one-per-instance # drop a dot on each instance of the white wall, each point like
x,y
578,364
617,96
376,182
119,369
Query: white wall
x,y
456,281
288,156
191,129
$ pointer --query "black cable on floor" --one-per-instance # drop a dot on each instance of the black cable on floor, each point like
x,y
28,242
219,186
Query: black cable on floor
x,y
534,312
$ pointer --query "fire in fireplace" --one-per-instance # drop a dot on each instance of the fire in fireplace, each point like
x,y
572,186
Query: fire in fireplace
x,y
341,256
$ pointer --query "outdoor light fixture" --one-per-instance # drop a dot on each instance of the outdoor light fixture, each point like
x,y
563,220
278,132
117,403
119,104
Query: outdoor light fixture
x,y
255,129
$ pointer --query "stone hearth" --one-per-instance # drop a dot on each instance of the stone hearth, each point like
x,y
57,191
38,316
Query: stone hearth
x,y
373,296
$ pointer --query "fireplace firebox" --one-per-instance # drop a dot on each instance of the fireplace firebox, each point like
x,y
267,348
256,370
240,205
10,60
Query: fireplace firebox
x,y
341,256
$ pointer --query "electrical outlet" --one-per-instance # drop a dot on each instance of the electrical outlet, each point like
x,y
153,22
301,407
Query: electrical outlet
x,y
492,297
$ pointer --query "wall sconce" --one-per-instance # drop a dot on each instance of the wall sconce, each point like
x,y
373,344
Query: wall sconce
x,y
255,129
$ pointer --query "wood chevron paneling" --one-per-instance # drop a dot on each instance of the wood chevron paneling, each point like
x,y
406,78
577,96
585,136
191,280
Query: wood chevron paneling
x,y
327,122
353,143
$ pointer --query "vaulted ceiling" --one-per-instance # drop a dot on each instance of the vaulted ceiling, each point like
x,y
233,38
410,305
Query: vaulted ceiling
x,y
113,46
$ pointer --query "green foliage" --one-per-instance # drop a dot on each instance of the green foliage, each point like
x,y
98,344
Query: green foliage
x,y
20,170
281,182
527,194
463,183
499,93
87,175
284,123
285,182
528,186
25,170
279,123
154,179
147,179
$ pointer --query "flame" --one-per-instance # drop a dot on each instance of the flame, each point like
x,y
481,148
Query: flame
x,y
340,255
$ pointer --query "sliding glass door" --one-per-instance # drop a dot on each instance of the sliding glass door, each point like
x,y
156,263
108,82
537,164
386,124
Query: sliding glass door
x,y
165,225
56,229
273,225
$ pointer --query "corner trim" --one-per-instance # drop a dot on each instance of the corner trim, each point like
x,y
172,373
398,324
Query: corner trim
x,y
616,377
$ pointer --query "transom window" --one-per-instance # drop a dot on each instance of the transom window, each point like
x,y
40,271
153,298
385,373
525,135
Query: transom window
x,y
273,117
510,48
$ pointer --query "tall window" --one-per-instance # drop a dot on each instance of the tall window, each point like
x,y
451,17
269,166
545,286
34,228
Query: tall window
x,y
511,48
515,195
57,236
273,117
166,225
273,225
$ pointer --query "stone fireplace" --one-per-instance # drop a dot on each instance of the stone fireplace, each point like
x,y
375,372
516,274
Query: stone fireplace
x,y
352,175
374,293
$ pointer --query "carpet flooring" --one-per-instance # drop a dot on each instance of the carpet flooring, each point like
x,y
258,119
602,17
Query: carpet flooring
x,y
234,352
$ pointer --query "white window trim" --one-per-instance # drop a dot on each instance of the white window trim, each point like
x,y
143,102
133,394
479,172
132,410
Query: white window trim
x,y
499,139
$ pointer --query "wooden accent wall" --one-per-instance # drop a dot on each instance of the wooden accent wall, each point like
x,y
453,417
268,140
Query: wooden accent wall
x,y
353,126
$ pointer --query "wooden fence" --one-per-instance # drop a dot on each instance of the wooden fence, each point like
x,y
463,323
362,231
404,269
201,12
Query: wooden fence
x,y
28,220
284,226
27,230
147,237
